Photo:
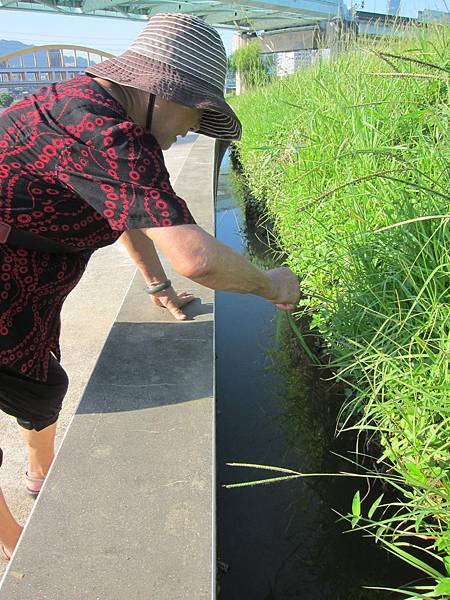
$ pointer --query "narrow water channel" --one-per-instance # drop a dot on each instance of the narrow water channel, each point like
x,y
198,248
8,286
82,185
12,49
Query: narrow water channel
x,y
281,541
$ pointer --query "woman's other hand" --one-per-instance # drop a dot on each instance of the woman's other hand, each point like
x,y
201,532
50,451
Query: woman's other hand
x,y
173,301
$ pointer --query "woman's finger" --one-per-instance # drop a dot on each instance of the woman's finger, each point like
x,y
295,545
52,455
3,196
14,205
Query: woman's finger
x,y
285,306
173,303
176,312
183,300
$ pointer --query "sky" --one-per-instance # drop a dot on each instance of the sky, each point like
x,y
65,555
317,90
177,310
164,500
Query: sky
x,y
107,34
115,35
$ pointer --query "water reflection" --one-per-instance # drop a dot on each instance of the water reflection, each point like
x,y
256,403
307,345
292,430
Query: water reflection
x,y
281,541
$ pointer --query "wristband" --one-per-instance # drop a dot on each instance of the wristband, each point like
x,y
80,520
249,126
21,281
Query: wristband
x,y
154,289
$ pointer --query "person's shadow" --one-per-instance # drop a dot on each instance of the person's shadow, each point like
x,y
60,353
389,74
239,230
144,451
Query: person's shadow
x,y
149,359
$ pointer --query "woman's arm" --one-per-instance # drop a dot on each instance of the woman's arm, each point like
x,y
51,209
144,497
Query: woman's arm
x,y
142,250
200,257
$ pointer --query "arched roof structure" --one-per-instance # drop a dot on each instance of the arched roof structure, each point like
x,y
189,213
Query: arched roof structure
x,y
47,49
31,67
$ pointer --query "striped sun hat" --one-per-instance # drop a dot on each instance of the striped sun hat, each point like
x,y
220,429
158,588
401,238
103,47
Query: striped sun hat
x,y
180,58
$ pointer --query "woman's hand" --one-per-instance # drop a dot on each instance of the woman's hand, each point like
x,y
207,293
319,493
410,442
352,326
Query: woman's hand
x,y
173,301
285,293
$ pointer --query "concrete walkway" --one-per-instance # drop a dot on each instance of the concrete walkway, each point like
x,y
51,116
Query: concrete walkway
x,y
134,474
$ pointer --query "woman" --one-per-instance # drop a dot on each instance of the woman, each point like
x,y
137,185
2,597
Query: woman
x,y
80,165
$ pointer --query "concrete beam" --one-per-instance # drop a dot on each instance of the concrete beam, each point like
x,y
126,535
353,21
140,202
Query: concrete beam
x,y
302,39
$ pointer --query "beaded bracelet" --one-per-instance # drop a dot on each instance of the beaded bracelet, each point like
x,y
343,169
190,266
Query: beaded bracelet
x,y
154,289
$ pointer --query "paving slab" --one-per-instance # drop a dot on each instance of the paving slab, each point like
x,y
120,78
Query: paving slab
x,y
105,283
117,495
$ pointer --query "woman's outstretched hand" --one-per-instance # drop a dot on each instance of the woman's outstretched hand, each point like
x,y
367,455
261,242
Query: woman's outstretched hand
x,y
173,301
285,293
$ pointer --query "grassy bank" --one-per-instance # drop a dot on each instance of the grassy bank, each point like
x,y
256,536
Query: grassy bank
x,y
351,161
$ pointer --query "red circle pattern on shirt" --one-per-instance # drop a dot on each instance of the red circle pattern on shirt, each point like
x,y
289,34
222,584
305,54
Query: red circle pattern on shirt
x,y
76,169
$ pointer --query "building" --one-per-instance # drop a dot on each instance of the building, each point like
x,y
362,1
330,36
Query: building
x,y
393,7
433,16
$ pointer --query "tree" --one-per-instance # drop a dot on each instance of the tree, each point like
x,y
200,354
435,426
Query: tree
x,y
6,99
249,63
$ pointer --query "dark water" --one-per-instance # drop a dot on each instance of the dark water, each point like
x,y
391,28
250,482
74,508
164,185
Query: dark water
x,y
282,541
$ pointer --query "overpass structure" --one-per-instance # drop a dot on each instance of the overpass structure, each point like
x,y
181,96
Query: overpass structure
x,y
246,15
291,24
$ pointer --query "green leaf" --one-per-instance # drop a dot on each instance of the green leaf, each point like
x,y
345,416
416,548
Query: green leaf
x,y
354,522
412,560
443,587
416,473
418,522
356,505
300,338
447,563
374,506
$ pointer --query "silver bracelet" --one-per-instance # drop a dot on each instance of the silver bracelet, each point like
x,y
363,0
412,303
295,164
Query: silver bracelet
x,y
154,289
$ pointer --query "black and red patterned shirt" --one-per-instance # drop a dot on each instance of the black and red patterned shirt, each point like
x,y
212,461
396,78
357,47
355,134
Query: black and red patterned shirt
x,y
76,169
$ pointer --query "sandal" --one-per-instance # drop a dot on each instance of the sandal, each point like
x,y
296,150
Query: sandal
x,y
4,554
33,485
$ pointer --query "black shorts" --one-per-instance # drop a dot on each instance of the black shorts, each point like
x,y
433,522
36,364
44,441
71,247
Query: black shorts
x,y
35,404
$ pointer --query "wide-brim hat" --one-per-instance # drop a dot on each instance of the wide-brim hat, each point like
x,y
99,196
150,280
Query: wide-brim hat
x,y
180,58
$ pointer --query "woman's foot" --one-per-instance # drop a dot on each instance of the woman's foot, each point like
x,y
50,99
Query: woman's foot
x,y
6,550
10,530
33,484
40,448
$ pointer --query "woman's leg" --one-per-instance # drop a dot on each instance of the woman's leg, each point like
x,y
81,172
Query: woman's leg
x,y
41,449
36,405
10,530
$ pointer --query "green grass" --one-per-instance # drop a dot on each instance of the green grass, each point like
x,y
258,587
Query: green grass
x,y
351,161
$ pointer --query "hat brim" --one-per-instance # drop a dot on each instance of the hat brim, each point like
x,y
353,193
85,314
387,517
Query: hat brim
x,y
137,71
